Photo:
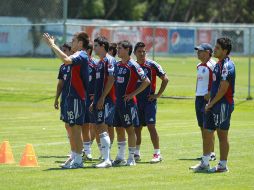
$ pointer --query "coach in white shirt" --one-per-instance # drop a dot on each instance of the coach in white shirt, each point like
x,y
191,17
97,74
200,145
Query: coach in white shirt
x,y
203,85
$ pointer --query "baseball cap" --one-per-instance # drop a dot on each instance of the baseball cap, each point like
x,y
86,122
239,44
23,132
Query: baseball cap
x,y
204,47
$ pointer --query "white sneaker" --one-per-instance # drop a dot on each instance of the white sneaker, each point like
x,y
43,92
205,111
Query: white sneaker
x,y
87,157
119,162
137,158
75,165
201,167
156,158
218,168
131,162
212,157
104,164
66,164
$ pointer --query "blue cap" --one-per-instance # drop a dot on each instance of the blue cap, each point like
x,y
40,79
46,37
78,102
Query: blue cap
x,y
204,47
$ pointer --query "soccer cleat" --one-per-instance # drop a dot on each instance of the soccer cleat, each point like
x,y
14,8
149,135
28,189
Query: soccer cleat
x,y
119,162
131,162
66,164
75,165
219,168
137,157
87,157
156,158
201,167
212,157
104,164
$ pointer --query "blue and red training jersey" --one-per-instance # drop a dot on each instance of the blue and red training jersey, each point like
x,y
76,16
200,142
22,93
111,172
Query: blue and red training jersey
x,y
92,75
77,82
152,70
224,70
127,76
105,68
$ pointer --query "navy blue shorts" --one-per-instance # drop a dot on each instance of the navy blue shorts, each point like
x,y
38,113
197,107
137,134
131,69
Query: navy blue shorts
x,y
89,116
73,111
126,115
219,116
106,115
147,112
200,103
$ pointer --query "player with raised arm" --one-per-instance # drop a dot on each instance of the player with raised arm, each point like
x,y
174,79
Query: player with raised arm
x,y
77,82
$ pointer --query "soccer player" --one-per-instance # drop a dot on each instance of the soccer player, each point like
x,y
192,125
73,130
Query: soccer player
x,y
219,107
104,98
89,126
61,85
127,74
203,86
147,101
112,50
77,81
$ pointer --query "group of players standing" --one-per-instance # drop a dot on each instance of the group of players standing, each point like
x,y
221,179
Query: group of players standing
x,y
100,96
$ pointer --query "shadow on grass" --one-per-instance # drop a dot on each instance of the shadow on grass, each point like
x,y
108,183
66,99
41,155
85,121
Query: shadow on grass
x,y
53,156
64,169
188,159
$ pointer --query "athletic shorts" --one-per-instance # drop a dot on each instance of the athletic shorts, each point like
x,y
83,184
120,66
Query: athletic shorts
x,y
89,116
219,116
200,103
126,115
147,112
106,115
73,111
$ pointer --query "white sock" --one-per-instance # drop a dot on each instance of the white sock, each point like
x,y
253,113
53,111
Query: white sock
x,y
157,151
137,150
105,144
212,153
78,157
223,163
72,155
131,153
206,159
121,150
87,147
99,147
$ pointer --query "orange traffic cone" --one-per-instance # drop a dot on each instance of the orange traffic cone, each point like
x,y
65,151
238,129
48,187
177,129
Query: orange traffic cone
x,y
29,159
6,156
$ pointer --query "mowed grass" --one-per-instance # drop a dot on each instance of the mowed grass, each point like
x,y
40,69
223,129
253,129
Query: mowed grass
x,y
27,89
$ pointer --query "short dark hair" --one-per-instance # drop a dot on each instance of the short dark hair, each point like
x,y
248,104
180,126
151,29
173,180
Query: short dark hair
x,y
126,44
83,36
139,44
112,47
66,45
90,47
102,41
225,44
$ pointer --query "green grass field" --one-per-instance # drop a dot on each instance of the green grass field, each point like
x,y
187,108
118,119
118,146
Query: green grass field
x,y
27,89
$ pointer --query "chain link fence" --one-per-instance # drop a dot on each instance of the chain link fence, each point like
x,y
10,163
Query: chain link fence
x,y
22,23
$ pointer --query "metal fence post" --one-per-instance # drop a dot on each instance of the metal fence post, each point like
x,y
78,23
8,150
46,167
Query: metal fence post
x,y
249,73
154,28
65,15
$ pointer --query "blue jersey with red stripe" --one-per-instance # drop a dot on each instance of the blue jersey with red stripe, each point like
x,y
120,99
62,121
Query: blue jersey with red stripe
x,y
64,74
224,70
77,82
151,69
92,75
127,76
105,68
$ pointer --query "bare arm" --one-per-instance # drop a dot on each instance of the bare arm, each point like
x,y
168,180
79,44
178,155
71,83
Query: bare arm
x,y
58,92
51,43
108,86
221,92
144,84
163,86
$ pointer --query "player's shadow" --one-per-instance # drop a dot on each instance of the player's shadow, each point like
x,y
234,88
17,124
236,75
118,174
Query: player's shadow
x,y
143,162
52,156
189,159
64,169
